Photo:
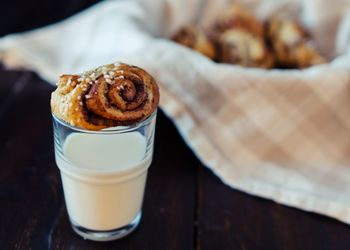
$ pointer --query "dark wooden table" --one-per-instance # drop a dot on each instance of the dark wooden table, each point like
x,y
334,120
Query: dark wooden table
x,y
185,206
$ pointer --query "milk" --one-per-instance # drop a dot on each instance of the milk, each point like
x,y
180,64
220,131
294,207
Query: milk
x,y
103,178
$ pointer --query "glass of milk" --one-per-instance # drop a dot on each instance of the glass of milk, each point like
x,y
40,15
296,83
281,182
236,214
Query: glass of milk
x,y
103,175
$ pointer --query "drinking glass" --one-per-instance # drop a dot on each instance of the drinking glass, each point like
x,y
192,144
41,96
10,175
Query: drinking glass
x,y
103,176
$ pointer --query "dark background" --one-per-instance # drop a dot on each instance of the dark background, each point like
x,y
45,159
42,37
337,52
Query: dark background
x,y
22,15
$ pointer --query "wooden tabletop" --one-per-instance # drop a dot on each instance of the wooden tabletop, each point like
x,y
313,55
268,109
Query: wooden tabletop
x,y
185,207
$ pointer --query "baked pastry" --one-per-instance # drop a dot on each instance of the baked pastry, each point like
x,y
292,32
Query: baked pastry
x,y
194,38
110,95
236,17
291,44
238,46
239,39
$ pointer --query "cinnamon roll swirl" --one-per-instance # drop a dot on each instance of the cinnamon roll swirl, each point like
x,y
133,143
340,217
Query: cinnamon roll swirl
x,y
110,95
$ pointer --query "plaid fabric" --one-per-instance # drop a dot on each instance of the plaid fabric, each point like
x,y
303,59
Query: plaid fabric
x,y
280,134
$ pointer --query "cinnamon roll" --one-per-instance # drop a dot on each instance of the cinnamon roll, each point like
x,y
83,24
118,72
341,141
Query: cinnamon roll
x,y
241,47
110,95
236,17
239,38
291,44
194,38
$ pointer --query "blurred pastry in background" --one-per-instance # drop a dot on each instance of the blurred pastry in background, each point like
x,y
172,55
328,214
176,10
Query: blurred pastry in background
x,y
239,39
236,17
291,44
241,47
196,39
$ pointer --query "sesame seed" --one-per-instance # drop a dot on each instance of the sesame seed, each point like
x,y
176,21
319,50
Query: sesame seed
x,y
79,97
76,109
121,77
70,104
81,103
88,96
109,81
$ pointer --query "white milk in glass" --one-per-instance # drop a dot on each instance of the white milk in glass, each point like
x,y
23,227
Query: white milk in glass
x,y
104,178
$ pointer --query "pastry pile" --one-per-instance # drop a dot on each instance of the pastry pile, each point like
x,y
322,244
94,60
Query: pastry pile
x,y
237,37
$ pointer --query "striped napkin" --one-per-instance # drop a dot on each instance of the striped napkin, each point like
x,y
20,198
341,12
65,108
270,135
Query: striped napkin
x,y
278,134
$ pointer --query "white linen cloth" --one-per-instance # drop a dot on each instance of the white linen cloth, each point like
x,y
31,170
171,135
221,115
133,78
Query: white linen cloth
x,y
279,134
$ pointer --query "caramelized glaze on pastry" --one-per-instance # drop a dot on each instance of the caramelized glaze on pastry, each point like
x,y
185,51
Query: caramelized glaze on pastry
x,y
291,44
194,38
110,95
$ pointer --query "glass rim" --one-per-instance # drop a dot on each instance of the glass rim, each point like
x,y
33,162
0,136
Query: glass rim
x,y
109,130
